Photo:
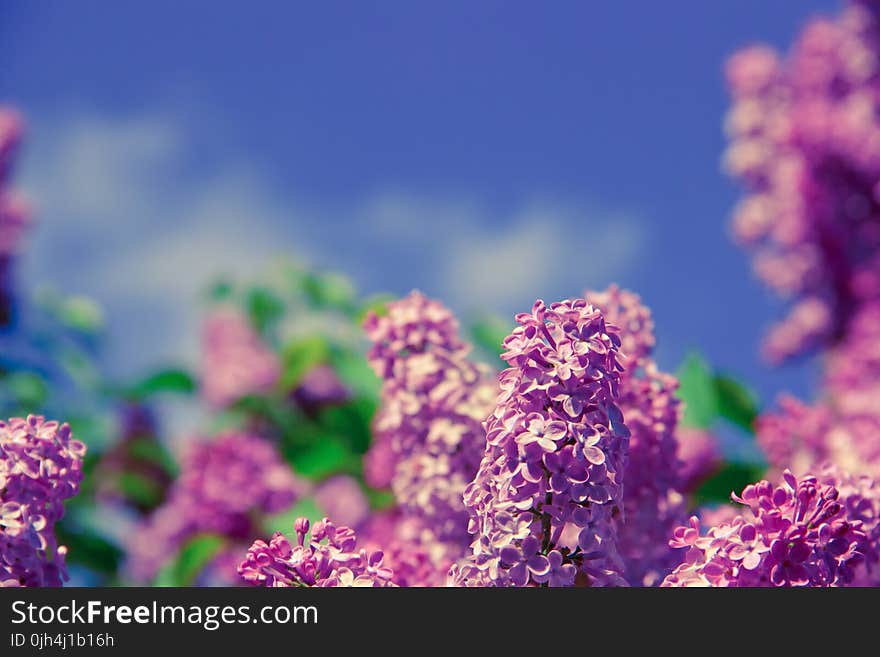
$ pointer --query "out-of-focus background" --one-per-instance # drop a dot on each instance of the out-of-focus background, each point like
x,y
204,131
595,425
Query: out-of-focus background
x,y
486,153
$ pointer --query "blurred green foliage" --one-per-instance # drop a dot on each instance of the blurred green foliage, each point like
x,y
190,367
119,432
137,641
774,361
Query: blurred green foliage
x,y
190,561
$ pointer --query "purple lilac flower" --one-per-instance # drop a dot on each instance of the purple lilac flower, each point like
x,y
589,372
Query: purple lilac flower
x,y
330,557
852,368
410,548
235,361
653,502
320,387
805,142
801,533
225,484
699,456
796,435
379,462
860,495
428,431
803,437
711,516
341,497
40,467
555,455
843,426
652,496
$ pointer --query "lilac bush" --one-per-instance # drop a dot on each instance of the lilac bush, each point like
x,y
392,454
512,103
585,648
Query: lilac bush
x,y
40,468
581,464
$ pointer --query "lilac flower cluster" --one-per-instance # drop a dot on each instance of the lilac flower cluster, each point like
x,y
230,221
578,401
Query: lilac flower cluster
x,y
330,557
428,433
796,435
554,459
340,496
852,368
319,387
801,533
699,456
410,547
805,142
223,487
843,428
653,500
14,214
235,361
40,467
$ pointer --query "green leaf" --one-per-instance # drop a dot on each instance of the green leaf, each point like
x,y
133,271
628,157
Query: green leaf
x,y
377,304
380,499
325,456
141,490
736,403
489,333
221,291
147,449
264,308
697,391
169,380
283,522
190,560
329,290
81,314
28,390
299,357
78,365
351,420
88,549
97,431
355,372
731,478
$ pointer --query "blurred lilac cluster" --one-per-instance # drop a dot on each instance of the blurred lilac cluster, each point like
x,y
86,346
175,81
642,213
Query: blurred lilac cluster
x,y
40,467
225,485
14,214
805,142
428,436
235,361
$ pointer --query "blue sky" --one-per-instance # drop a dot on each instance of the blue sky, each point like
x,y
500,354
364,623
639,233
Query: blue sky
x,y
487,153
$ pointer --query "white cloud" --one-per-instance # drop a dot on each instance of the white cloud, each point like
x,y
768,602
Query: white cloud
x,y
118,222
99,170
123,219
504,261
544,251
